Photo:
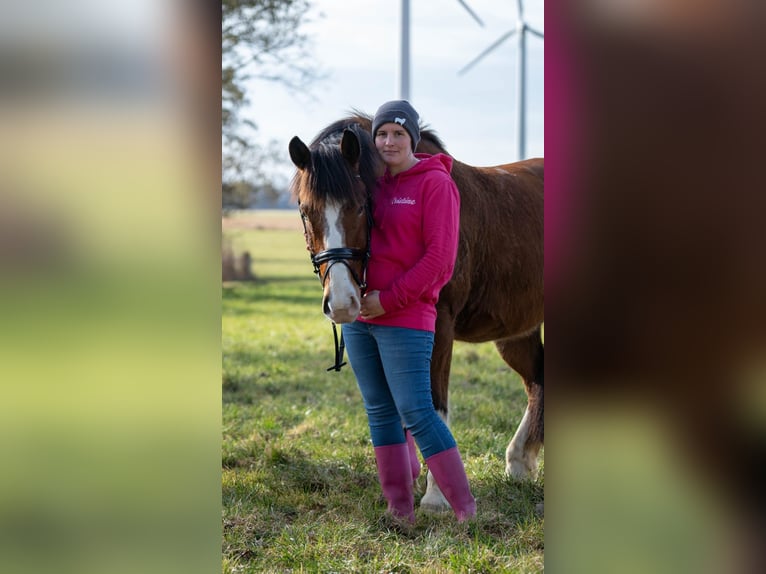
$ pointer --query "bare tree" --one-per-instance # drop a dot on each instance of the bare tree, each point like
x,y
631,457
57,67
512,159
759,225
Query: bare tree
x,y
261,39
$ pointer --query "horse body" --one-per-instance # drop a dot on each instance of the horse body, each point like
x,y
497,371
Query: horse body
x,y
496,290
500,252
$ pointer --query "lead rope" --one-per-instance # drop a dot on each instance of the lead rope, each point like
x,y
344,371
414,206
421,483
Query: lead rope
x,y
340,348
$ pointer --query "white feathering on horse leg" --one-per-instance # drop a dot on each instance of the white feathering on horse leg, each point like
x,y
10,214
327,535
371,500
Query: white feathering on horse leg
x,y
518,462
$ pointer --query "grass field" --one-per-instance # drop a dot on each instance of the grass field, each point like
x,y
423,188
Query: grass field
x,y
300,491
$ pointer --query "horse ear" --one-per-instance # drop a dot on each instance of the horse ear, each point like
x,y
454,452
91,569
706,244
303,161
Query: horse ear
x,y
350,147
299,153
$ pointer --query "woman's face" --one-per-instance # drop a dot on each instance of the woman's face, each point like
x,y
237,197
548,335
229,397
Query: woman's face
x,y
394,144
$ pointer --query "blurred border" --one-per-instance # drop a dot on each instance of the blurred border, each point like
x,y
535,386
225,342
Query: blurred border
x,y
656,314
109,272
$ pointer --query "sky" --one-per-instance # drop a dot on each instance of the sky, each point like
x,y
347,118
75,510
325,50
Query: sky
x,y
358,45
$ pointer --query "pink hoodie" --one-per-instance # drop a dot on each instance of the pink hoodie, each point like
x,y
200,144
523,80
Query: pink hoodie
x,y
414,241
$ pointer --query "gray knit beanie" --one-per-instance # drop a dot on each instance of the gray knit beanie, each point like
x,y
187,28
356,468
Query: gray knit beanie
x,y
398,112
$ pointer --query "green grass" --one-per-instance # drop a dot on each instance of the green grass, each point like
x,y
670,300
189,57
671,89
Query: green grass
x,y
300,492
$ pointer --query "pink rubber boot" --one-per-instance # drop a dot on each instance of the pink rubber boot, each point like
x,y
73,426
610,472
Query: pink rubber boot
x,y
414,461
395,474
449,473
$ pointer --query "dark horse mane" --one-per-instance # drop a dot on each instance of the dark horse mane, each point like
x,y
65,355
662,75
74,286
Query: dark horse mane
x,y
429,141
328,175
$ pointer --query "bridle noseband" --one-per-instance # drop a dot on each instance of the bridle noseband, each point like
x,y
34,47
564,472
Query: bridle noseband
x,y
342,255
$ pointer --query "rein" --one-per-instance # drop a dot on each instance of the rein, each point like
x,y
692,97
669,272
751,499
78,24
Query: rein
x,y
342,255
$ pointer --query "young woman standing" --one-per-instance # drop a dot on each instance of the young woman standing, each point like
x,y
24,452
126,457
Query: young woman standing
x,y
413,248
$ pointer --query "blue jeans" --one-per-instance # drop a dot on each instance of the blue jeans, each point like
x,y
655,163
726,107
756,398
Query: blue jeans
x,y
393,370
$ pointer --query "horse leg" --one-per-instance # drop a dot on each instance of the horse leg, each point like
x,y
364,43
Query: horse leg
x,y
441,361
526,357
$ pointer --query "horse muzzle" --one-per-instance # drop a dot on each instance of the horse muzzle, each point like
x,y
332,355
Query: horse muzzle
x,y
341,308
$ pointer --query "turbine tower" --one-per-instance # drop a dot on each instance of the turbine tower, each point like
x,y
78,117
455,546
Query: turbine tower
x,y
520,30
404,65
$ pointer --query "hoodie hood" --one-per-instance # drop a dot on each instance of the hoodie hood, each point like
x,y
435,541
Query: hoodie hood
x,y
406,186
427,162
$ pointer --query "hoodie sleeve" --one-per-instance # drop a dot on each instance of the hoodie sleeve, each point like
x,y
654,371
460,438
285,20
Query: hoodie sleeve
x,y
441,223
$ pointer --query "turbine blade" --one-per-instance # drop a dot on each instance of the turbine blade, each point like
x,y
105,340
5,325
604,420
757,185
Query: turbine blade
x,y
520,9
471,12
536,32
497,42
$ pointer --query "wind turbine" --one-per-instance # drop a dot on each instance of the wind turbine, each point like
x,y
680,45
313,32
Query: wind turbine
x,y
404,67
520,30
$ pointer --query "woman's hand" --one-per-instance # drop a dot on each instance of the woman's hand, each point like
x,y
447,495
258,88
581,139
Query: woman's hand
x,y
371,306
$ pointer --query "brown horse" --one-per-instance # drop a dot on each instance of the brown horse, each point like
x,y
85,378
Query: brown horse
x,y
496,290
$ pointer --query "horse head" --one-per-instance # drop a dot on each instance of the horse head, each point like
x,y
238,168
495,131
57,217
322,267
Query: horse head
x,y
333,186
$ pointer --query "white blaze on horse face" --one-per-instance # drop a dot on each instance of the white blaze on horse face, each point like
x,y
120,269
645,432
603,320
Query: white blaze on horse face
x,y
341,301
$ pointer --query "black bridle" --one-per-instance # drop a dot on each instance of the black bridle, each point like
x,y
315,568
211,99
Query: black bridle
x,y
341,255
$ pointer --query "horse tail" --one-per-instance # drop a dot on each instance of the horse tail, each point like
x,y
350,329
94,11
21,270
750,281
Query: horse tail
x,y
535,391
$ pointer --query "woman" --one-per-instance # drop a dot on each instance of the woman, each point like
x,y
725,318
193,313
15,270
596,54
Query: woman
x,y
413,248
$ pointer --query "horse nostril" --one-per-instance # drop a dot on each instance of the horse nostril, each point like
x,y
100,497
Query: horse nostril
x,y
326,305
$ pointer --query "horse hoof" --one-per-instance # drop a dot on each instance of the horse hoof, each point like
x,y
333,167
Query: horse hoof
x,y
434,508
521,469
434,503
